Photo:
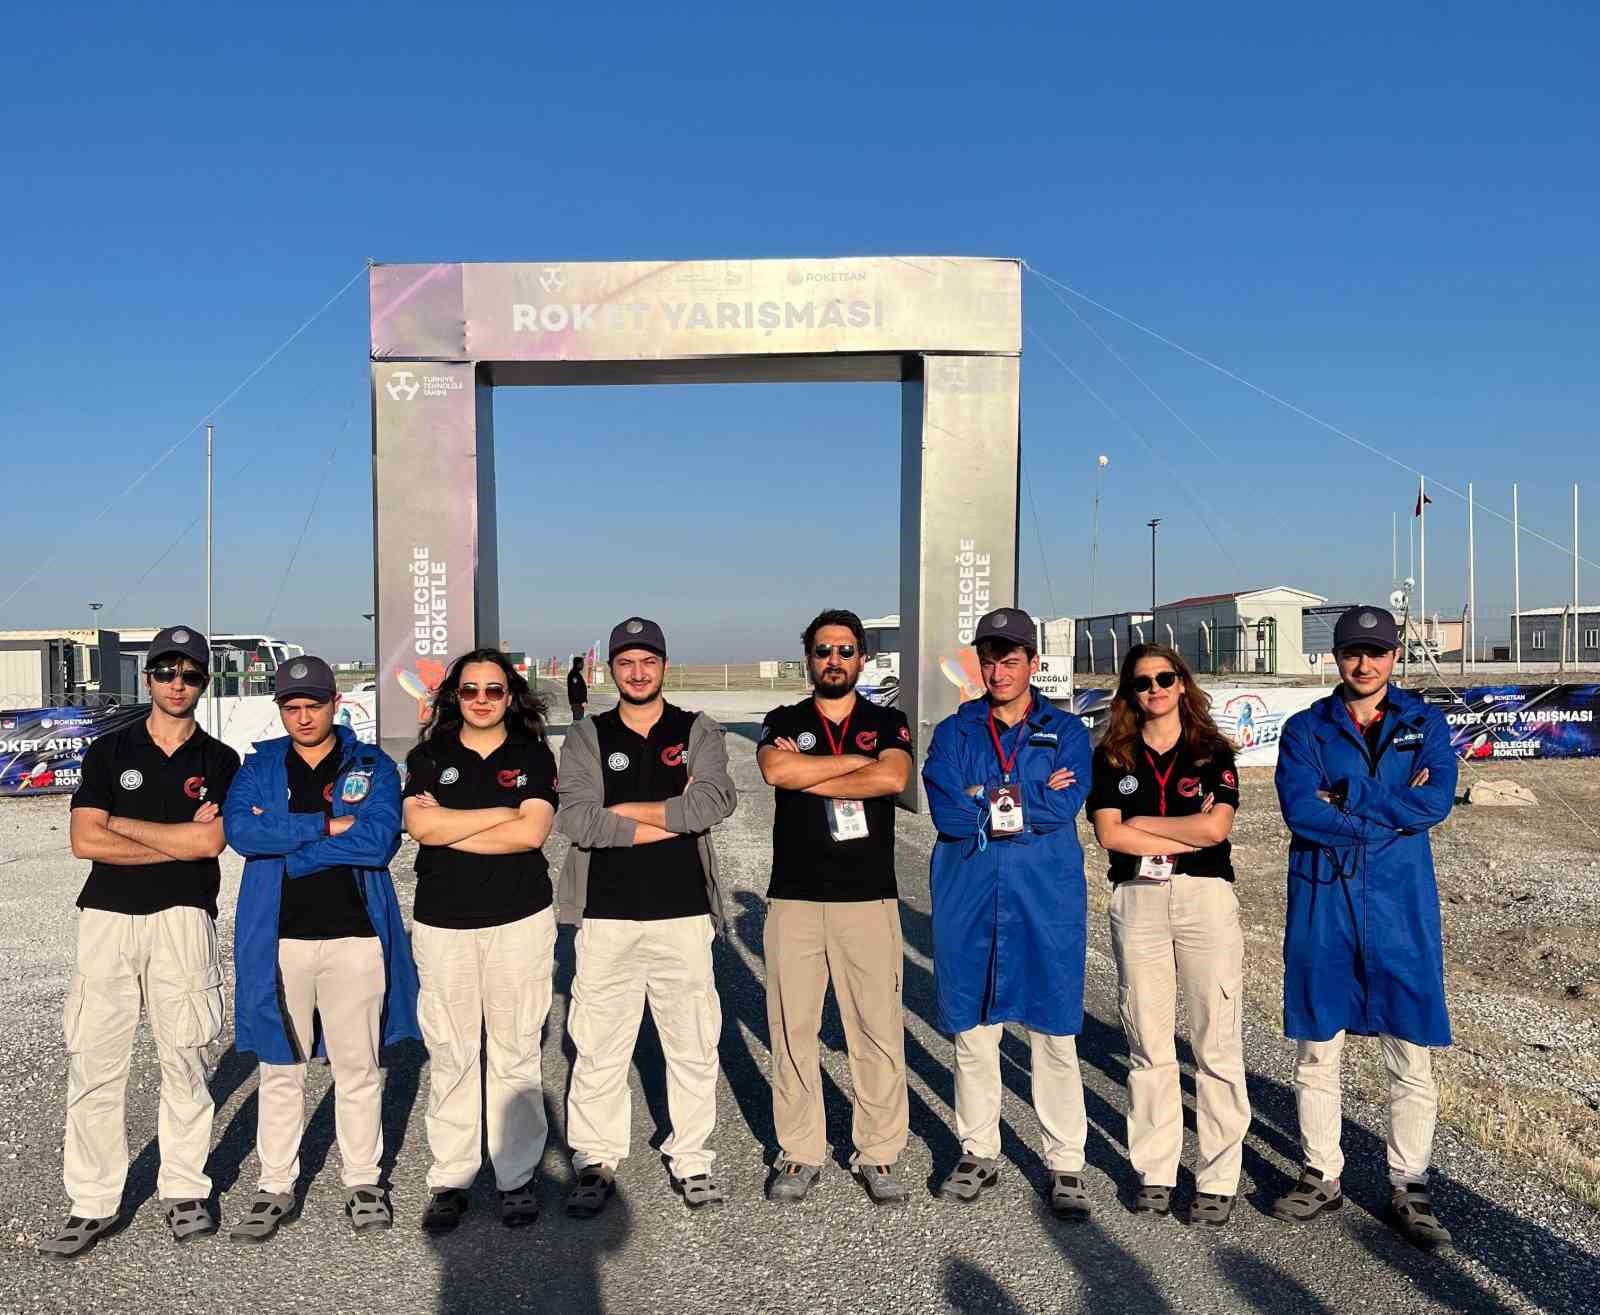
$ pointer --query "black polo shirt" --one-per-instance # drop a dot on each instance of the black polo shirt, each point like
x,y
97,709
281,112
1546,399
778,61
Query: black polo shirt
x,y
807,862
128,775
645,883
326,904
1167,784
465,891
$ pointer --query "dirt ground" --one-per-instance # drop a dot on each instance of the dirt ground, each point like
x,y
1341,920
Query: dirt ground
x,y
1520,891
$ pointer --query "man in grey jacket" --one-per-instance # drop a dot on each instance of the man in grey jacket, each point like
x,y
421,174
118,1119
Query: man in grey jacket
x,y
641,787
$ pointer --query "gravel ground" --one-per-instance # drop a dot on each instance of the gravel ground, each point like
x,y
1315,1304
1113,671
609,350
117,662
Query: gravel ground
x,y
1521,1244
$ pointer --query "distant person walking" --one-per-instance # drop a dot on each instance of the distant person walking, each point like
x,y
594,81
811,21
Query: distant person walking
x,y
321,956
1165,792
577,689
480,798
836,762
641,787
146,812
1363,775
1006,776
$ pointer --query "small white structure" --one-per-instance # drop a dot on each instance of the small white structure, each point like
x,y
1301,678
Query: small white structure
x,y
1248,631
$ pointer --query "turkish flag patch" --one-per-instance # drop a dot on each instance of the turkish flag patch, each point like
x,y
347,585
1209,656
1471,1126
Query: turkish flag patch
x,y
1229,779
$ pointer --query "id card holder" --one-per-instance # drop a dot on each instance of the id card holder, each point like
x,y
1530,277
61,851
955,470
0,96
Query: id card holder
x,y
847,819
1156,867
1005,811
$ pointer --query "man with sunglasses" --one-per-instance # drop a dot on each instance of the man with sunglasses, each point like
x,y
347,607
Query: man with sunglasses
x,y
1363,775
147,814
836,761
1006,776
641,787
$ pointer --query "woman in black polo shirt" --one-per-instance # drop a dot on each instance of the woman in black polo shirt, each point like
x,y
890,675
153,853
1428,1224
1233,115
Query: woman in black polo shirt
x,y
480,798
1164,795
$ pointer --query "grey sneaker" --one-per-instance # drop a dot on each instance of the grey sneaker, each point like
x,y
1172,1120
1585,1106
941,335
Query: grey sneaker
x,y
262,1218
791,1180
971,1178
77,1236
881,1181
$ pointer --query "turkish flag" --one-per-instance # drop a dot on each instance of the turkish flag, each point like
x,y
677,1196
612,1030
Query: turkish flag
x,y
1422,500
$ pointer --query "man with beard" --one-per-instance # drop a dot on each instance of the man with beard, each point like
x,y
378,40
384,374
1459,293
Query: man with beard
x,y
146,813
641,787
1363,775
837,762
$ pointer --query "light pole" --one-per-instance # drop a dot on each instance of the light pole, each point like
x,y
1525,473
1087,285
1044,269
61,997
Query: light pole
x,y
94,617
1153,522
1094,547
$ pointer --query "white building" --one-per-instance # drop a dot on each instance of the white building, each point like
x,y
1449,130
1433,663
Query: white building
x,y
1247,632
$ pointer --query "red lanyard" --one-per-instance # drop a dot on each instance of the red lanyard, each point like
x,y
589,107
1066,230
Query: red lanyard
x,y
1161,780
844,731
1006,764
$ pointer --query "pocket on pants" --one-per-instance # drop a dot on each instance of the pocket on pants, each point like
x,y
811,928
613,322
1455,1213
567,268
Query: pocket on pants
x,y
72,1015
1225,1007
199,1020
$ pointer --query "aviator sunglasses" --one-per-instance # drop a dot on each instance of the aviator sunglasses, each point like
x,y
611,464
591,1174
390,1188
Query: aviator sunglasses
x,y
166,675
493,693
1165,679
828,650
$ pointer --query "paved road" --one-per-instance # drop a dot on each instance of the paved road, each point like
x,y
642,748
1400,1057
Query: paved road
x,y
1522,1247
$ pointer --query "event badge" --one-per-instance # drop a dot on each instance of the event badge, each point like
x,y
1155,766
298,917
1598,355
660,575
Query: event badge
x,y
1005,810
847,819
1156,867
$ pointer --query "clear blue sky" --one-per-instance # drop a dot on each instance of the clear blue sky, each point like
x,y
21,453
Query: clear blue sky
x,y
1385,213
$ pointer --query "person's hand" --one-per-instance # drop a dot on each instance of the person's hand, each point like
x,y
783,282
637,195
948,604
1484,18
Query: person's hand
x,y
207,812
1061,778
1325,795
339,825
974,790
426,800
786,744
257,811
1420,779
1208,803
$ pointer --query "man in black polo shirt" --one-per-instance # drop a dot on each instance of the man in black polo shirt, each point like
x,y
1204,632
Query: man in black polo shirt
x,y
837,762
147,814
641,787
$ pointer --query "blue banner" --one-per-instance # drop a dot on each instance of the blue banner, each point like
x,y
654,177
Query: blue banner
x,y
41,749
1505,722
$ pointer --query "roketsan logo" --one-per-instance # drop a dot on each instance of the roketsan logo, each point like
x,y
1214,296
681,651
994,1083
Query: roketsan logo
x,y
402,385
550,279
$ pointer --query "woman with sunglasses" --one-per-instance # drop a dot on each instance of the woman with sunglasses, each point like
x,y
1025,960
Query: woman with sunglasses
x,y
480,798
1163,800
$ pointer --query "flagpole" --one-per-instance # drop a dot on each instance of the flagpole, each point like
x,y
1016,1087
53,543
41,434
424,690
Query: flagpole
x,y
1394,544
1516,580
1472,584
1575,615
1422,555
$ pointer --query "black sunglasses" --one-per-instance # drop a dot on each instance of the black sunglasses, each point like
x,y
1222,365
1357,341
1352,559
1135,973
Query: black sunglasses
x,y
828,650
493,693
1165,679
166,675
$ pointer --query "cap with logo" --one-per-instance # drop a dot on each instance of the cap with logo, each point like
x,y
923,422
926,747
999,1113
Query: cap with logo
x,y
1363,626
636,632
1011,625
305,678
184,640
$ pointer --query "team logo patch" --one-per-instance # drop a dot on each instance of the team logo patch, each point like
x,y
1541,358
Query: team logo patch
x,y
1189,786
510,778
195,787
807,740
180,635
1000,618
672,755
1128,785
867,741
1229,779
449,776
1367,620
618,762
905,734
131,779
356,787
634,627
298,670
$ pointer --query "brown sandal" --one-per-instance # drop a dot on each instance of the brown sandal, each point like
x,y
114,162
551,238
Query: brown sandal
x,y
1210,1208
1311,1196
1412,1210
1154,1200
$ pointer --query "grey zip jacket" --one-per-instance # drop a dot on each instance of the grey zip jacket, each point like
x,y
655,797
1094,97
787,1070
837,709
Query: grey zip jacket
x,y
583,819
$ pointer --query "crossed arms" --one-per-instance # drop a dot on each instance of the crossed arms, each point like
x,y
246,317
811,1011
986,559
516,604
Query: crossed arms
x,y
836,776
129,842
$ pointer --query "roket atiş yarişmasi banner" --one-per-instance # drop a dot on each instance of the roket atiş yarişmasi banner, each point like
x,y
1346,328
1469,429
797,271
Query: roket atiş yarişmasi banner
x,y
41,749
1502,722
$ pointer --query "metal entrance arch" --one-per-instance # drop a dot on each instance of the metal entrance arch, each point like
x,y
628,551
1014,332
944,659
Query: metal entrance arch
x,y
948,330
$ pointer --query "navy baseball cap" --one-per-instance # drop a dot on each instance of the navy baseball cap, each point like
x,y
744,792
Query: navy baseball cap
x,y
183,640
1010,625
305,678
636,632
1362,626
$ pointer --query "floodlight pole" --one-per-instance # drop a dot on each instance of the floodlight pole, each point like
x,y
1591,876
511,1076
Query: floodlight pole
x,y
1155,521
211,698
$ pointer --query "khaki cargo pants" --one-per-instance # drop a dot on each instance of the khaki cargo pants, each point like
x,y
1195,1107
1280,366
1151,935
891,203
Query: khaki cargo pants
x,y
168,962
1413,1106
